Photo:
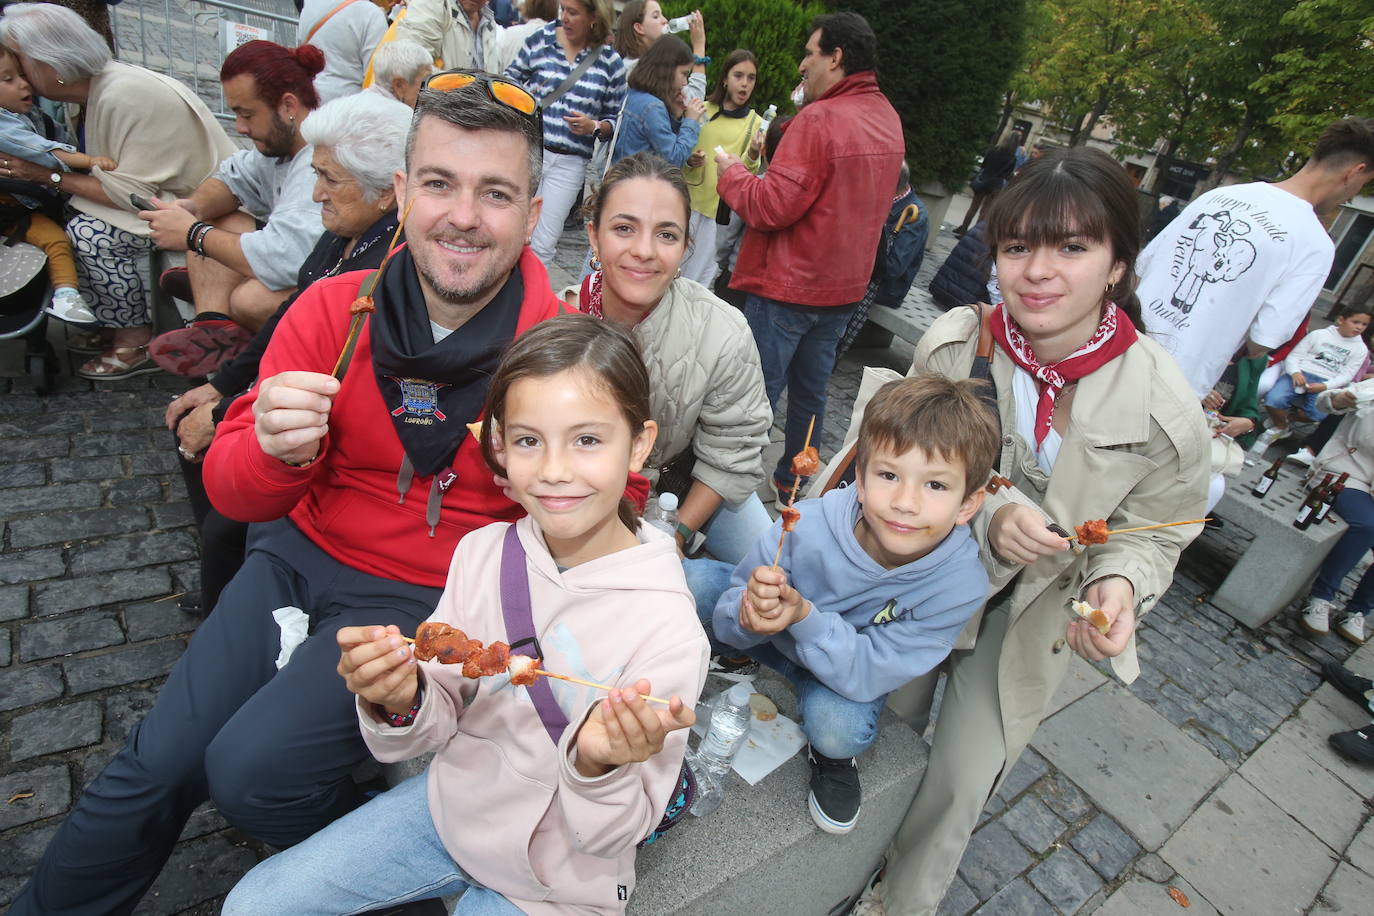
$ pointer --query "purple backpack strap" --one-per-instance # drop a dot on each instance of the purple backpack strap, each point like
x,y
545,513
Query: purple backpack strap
x,y
515,607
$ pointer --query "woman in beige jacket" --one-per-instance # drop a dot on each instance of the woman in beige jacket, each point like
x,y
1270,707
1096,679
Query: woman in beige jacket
x,y
707,388
164,139
1097,423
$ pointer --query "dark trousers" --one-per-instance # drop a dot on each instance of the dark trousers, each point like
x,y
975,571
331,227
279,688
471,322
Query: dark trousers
x,y
222,540
273,749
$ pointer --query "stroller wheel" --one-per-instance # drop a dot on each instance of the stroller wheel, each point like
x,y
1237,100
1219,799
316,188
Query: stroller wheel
x,y
42,368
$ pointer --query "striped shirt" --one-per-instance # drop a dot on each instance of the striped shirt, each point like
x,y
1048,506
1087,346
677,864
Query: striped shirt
x,y
542,66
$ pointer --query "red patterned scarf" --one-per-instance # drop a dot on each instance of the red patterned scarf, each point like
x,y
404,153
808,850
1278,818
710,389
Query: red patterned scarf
x,y
1114,335
589,298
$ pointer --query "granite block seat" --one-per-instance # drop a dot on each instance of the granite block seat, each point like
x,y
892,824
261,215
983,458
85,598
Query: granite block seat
x,y
1280,564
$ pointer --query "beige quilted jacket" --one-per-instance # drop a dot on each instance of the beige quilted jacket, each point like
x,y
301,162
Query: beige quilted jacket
x,y
706,389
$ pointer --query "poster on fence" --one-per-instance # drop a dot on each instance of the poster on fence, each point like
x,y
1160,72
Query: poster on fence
x,y
233,34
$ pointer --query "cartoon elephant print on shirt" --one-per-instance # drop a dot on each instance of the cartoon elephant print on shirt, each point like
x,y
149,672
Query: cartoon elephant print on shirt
x,y
1219,255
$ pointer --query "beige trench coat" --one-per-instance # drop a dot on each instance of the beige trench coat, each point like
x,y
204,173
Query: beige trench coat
x,y
1136,452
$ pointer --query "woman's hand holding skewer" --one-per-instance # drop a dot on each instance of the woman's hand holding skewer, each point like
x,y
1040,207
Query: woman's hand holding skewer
x,y
1115,597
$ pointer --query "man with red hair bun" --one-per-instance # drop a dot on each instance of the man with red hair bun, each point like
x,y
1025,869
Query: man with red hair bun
x,y
242,265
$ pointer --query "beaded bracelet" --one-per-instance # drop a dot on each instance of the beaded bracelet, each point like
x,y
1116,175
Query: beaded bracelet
x,y
200,239
401,721
191,234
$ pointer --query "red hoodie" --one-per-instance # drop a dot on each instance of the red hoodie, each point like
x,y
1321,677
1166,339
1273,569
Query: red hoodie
x,y
347,501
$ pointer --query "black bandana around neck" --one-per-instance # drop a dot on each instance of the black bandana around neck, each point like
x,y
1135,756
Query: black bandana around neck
x,y
434,390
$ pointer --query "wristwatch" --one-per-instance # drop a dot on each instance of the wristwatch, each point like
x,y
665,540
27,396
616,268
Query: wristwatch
x,y
56,179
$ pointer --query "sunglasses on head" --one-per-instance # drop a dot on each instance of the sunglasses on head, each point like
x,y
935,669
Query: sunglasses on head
x,y
498,89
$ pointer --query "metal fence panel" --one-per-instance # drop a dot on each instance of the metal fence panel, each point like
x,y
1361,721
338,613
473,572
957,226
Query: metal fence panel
x,y
188,39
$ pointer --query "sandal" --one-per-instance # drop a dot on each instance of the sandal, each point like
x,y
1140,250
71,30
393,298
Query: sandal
x,y
87,343
113,365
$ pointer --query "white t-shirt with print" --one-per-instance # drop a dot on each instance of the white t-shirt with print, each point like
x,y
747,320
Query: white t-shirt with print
x,y
1240,261
1329,356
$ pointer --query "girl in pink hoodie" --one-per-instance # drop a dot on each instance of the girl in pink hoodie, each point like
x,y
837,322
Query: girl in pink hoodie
x,y
532,804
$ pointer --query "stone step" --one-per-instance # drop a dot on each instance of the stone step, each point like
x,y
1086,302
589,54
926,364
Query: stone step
x,y
760,852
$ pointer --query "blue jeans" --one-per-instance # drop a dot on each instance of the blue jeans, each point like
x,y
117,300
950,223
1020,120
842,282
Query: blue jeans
x,y
385,853
835,726
797,345
1356,507
1284,395
730,533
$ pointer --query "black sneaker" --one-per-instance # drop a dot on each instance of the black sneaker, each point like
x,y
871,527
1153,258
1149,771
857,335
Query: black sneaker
x,y
1357,745
1348,683
835,793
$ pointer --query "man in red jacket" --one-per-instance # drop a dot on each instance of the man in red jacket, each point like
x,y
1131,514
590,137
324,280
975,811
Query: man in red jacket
x,y
812,221
362,488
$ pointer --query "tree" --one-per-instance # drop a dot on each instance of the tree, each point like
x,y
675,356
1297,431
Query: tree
x,y
1089,54
1327,72
945,66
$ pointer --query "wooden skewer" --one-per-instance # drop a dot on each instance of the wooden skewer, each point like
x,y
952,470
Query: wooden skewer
x,y
1191,521
355,324
606,687
796,484
577,680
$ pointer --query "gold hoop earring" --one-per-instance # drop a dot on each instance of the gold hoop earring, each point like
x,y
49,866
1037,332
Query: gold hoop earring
x,y
595,262
678,274
1110,287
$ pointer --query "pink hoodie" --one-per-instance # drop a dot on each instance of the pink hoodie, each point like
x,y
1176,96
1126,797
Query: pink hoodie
x,y
511,808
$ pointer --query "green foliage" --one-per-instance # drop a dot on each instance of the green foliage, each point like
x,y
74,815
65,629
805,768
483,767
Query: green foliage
x,y
1328,70
775,30
945,66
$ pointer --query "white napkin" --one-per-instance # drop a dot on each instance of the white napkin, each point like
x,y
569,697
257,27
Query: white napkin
x,y
295,626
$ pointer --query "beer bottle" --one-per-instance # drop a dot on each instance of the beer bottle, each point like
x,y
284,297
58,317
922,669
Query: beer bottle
x,y
1329,500
1267,479
1308,510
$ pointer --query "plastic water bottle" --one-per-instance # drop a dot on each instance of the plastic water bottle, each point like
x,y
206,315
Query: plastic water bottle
x,y
768,117
680,24
725,736
662,513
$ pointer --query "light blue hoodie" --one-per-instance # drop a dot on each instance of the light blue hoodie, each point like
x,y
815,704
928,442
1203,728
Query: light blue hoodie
x,y
870,629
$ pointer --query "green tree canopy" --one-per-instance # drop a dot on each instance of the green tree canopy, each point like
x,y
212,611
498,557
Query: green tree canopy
x,y
945,66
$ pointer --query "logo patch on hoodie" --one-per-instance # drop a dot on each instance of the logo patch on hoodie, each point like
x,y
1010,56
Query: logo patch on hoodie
x,y
887,614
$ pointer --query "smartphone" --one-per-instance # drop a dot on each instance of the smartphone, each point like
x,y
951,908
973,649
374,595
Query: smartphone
x,y
142,203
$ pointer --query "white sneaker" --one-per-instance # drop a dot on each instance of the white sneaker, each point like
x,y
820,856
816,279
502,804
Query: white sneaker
x,y
1303,456
1351,627
67,305
1315,616
1266,439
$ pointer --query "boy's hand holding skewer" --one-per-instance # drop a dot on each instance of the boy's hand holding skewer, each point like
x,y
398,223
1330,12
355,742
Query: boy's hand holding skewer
x,y
770,605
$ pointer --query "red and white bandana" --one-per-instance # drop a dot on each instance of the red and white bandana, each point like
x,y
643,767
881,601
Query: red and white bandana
x,y
1114,335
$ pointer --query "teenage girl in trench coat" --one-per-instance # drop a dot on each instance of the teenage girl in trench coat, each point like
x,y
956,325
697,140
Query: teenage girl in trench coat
x,y
1098,423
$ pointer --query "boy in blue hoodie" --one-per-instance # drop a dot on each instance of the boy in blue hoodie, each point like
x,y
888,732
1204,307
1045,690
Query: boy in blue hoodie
x,y
875,582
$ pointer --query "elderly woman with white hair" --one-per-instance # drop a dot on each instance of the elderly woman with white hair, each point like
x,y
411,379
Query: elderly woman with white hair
x,y
163,137
117,838
359,145
399,69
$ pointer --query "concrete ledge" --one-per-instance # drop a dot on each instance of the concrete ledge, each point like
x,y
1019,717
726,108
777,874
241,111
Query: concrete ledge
x,y
1281,563
760,852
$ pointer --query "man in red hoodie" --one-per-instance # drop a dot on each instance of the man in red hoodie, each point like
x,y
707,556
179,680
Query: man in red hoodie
x,y
362,488
812,221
